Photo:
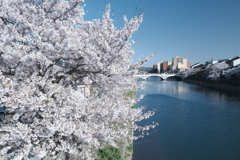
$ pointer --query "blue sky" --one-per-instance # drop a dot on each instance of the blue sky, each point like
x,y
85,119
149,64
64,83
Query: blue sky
x,y
197,30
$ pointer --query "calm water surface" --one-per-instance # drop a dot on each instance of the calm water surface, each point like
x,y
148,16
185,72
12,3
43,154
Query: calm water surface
x,y
195,123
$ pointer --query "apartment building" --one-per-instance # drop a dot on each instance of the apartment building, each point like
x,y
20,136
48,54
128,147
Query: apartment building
x,y
180,63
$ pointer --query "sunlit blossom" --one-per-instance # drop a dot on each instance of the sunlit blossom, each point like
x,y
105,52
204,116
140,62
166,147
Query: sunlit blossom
x,y
44,59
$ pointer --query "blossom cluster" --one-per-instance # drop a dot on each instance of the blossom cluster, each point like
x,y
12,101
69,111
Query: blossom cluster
x,y
47,50
233,71
214,72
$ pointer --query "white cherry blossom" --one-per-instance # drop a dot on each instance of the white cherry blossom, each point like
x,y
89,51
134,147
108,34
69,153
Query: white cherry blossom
x,y
47,50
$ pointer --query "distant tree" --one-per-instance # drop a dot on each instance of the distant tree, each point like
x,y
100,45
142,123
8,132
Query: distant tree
x,y
154,70
145,69
169,68
46,50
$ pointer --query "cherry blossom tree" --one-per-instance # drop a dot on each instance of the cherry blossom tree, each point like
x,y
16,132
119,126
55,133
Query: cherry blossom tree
x,y
235,71
212,72
190,71
47,50
217,70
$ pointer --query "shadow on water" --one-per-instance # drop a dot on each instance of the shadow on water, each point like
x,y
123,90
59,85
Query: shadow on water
x,y
174,78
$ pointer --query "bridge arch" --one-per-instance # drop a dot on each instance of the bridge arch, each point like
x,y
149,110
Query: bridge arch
x,y
162,76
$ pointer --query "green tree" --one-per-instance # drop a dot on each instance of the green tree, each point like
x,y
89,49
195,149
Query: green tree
x,y
154,70
169,68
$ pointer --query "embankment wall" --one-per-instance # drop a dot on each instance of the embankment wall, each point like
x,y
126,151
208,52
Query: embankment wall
x,y
225,84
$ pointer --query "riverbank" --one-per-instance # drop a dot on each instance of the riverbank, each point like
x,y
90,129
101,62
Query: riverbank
x,y
224,84
219,75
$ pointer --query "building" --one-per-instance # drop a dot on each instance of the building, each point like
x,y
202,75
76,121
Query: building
x,y
188,64
180,63
176,63
222,60
159,66
164,66
210,62
197,65
234,61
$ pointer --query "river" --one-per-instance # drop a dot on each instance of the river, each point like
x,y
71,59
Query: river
x,y
195,123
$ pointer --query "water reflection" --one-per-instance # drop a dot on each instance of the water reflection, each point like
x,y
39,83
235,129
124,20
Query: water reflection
x,y
195,122
182,90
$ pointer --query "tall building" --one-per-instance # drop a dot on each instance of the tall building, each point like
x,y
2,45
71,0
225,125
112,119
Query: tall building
x,y
164,66
159,66
177,62
180,63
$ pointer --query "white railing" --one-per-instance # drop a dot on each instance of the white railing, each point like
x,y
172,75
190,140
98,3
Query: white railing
x,y
162,75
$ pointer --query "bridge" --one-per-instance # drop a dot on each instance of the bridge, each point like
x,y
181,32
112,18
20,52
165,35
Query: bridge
x,y
163,76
